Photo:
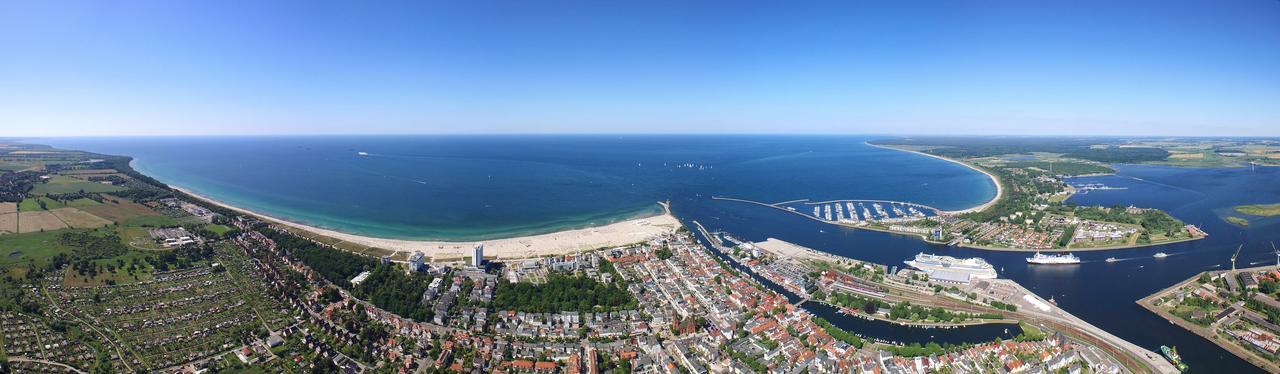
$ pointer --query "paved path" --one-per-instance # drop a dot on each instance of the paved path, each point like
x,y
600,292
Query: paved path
x,y
46,362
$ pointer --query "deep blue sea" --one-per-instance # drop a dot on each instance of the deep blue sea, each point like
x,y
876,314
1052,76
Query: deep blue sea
x,y
484,187
478,187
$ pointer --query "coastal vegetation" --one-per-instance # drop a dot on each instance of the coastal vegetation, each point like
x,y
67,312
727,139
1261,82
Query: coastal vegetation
x,y
337,266
838,333
1261,210
1238,221
1107,150
399,292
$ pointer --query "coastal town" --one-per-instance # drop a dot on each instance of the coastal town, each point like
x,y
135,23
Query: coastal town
x,y
1236,309
172,283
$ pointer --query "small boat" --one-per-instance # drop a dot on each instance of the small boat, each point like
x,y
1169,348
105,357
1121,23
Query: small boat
x,y
1112,259
1160,255
1172,355
362,153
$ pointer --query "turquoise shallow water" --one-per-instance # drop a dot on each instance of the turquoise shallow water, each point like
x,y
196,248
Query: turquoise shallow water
x,y
484,187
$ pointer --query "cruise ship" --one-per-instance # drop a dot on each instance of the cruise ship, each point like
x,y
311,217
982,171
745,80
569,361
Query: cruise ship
x,y
1044,259
975,267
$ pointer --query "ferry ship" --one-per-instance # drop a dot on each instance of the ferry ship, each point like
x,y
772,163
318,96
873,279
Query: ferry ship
x,y
976,267
1044,259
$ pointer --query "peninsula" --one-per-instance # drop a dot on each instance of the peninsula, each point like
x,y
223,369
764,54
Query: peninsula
x,y
1029,211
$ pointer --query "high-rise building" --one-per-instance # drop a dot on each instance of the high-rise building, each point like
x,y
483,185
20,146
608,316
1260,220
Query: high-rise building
x,y
415,261
477,259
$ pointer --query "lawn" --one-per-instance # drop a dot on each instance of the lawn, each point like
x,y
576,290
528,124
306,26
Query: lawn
x,y
218,229
65,184
1261,210
1031,332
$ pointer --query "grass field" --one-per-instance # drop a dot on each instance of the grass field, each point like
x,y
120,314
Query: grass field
x,y
82,202
218,229
24,248
77,218
33,204
121,276
1261,210
1030,331
65,184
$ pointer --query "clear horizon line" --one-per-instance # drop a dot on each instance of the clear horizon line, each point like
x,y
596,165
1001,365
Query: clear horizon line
x,y
375,134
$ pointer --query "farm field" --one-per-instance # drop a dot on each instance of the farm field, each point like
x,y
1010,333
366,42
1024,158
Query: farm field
x,y
118,209
6,208
39,222
79,219
9,223
65,184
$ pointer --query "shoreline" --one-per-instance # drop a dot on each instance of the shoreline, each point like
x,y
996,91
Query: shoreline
x,y
531,246
994,179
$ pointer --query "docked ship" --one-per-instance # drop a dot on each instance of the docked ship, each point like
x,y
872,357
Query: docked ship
x,y
1044,259
975,267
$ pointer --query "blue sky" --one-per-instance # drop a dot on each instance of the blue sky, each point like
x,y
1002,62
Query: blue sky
x,y
947,67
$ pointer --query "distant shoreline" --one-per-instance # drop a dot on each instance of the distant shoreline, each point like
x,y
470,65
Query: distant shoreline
x,y
994,178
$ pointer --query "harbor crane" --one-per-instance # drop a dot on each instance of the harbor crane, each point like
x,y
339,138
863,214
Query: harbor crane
x,y
1233,258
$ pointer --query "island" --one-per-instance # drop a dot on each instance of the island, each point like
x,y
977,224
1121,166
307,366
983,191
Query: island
x,y
1259,210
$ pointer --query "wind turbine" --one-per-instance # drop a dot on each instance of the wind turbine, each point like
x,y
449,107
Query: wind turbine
x,y
1233,257
1273,248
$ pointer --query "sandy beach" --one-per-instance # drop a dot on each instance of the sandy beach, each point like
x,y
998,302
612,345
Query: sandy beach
x,y
994,179
550,244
